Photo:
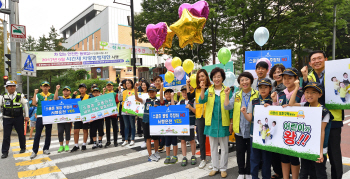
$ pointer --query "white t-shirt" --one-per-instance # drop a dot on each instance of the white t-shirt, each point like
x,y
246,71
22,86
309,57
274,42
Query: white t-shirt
x,y
194,106
217,92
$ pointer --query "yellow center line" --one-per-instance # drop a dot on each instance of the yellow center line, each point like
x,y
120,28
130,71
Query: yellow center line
x,y
18,149
17,144
348,164
32,162
41,171
25,154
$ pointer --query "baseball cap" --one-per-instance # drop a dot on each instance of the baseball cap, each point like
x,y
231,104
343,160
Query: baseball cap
x,y
11,83
183,87
265,81
169,90
291,72
109,83
142,79
152,88
45,83
67,87
95,89
314,85
82,85
93,85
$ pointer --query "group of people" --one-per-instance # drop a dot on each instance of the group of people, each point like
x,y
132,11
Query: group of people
x,y
215,111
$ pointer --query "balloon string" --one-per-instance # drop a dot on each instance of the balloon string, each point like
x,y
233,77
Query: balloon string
x,y
261,51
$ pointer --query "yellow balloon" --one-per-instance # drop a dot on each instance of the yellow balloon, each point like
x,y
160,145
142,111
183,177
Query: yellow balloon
x,y
169,38
176,62
169,76
188,65
193,79
189,29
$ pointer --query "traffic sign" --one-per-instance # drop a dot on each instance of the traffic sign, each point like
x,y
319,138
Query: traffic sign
x,y
28,64
1,3
18,33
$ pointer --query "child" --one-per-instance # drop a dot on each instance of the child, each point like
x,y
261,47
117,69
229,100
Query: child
x,y
79,124
266,123
336,85
190,105
346,79
289,76
151,101
111,119
32,116
37,99
63,127
258,155
96,125
261,70
272,130
313,91
169,140
260,127
342,92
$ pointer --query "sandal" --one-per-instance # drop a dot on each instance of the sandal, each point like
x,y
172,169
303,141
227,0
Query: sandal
x,y
275,176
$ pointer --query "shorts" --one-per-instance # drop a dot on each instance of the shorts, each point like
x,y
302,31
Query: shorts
x,y
32,123
170,140
289,159
81,125
188,138
146,132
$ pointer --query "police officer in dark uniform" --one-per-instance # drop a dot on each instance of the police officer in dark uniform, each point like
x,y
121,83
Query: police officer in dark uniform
x,y
12,104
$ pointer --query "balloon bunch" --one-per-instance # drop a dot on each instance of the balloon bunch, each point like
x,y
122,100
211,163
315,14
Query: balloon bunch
x,y
176,70
188,28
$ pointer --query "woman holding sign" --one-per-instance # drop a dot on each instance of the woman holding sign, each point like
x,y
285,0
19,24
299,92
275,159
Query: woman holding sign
x,y
129,120
218,125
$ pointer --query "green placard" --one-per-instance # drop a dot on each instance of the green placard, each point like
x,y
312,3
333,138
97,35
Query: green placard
x,y
228,67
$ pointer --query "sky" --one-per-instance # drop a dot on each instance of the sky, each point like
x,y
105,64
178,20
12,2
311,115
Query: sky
x,y
39,15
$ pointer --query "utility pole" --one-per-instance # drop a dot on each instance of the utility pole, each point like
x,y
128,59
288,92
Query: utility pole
x,y
13,44
18,55
5,46
334,31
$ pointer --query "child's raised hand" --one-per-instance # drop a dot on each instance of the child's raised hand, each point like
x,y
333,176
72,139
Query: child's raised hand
x,y
266,104
119,88
244,110
297,83
75,92
58,87
274,96
161,85
227,90
172,94
304,71
104,89
188,81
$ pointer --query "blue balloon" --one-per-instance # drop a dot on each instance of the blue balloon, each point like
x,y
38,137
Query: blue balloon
x,y
261,35
230,79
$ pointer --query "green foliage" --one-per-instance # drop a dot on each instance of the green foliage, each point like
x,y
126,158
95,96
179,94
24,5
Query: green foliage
x,y
80,74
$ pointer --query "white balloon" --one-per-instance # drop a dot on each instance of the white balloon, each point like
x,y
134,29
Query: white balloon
x,y
179,73
230,79
261,36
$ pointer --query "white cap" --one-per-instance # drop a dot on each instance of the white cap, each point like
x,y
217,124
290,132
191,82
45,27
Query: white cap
x,y
11,83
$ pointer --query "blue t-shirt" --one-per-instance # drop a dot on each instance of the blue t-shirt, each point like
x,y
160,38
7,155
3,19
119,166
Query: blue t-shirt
x,y
32,112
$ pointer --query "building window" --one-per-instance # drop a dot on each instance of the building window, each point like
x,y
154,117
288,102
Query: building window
x,y
78,44
87,44
82,45
105,73
129,69
93,42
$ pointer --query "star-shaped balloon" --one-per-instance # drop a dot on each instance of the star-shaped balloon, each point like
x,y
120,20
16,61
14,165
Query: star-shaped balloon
x,y
169,38
189,29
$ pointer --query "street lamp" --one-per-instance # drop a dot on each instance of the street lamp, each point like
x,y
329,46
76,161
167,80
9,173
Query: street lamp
x,y
132,34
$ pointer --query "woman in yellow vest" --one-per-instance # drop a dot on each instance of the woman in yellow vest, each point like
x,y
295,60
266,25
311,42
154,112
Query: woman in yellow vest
x,y
217,119
202,75
241,127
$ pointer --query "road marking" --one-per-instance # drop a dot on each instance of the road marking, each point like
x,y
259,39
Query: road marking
x,y
17,143
18,149
32,162
26,154
346,121
37,172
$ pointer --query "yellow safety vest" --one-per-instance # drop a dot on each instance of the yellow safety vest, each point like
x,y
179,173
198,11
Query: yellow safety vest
x,y
237,108
210,106
200,108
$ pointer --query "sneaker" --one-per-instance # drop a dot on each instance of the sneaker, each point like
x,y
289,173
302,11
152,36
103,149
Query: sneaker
x,y
248,176
167,160
66,148
60,149
94,147
160,148
193,160
124,143
115,144
240,177
149,159
154,158
4,155
47,152
184,162
83,147
173,160
91,142
22,151
157,155
140,135
213,172
75,148
33,155
132,143
31,138
210,166
100,145
107,144
223,174
202,164
143,145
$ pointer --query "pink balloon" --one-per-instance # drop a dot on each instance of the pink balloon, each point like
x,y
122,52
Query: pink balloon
x,y
156,34
199,9
265,60
179,73
168,65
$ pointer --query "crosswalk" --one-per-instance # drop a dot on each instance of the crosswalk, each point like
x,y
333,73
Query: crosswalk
x,y
112,162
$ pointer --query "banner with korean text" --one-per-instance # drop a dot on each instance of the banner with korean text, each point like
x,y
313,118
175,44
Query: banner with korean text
x,y
133,107
98,107
139,50
60,111
169,121
293,131
82,59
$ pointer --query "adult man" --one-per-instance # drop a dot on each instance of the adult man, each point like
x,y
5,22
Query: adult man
x,y
317,62
45,95
261,70
12,108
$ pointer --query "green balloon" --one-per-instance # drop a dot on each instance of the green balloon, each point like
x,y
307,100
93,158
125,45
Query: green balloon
x,y
224,55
